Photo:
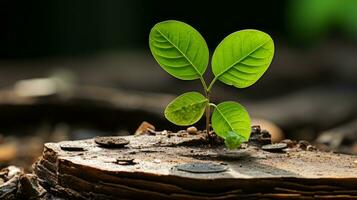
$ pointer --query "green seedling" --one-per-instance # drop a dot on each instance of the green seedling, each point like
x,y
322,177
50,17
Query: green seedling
x,y
239,60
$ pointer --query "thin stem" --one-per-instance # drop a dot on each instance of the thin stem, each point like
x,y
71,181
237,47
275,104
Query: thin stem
x,y
208,112
208,115
204,85
213,105
211,84
208,108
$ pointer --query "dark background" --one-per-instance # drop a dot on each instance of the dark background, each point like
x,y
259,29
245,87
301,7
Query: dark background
x,y
73,28
99,41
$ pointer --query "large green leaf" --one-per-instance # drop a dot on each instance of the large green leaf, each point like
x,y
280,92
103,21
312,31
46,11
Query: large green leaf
x,y
243,57
231,117
179,49
186,109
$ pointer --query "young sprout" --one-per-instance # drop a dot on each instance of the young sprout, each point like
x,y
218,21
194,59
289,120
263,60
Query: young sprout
x,y
239,60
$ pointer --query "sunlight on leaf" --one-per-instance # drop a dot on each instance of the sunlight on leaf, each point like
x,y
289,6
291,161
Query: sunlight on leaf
x,y
179,49
243,57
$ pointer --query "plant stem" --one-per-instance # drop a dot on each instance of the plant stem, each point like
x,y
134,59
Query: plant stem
x,y
208,115
211,84
208,107
208,111
213,105
204,85
207,91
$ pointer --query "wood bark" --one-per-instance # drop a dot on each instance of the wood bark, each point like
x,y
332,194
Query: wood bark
x,y
153,172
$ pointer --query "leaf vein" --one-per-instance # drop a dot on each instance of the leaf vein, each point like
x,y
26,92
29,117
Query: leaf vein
x,y
235,63
189,105
180,52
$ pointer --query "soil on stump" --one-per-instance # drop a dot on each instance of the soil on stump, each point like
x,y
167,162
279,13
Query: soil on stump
x,y
168,165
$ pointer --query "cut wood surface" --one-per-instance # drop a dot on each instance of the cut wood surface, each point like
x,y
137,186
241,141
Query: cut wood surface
x,y
153,167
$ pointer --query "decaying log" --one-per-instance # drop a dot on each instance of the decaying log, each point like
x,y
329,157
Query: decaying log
x,y
342,138
9,181
183,166
318,107
15,184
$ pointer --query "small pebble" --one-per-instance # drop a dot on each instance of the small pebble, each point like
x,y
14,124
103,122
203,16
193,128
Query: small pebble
x,y
111,141
192,130
274,147
72,146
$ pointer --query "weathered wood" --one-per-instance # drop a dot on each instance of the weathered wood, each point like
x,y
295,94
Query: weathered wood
x,y
308,108
341,138
251,172
15,184
9,180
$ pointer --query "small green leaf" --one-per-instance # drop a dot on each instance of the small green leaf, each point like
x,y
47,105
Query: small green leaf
x,y
179,49
233,140
186,109
243,57
230,117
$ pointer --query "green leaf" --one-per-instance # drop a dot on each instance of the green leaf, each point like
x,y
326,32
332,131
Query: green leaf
x,y
179,49
233,140
231,117
243,57
186,109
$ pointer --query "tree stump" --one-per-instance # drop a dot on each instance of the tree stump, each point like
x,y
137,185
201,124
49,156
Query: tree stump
x,y
169,165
